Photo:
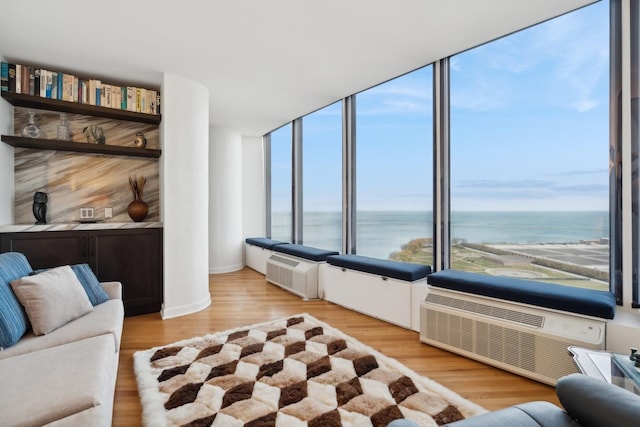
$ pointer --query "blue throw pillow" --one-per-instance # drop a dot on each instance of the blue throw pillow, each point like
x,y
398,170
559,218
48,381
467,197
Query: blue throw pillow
x,y
89,282
13,319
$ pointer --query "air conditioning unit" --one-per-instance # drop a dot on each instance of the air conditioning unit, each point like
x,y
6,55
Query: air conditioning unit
x,y
294,274
524,339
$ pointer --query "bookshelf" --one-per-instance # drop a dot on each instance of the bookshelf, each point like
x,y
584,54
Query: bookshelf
x,y
31,101
79,147
36,102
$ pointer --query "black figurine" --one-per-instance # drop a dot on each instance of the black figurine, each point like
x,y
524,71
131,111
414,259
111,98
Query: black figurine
x,y
40,200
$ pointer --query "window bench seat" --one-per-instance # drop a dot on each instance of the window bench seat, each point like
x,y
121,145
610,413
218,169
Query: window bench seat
x,y
306,252
588,302
385,289
257,250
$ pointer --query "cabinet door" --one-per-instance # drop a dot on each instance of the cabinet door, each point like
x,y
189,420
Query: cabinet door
x,y
134,258
48,249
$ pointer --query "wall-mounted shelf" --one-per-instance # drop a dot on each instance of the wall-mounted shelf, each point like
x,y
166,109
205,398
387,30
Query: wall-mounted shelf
x,y
30,101
79,147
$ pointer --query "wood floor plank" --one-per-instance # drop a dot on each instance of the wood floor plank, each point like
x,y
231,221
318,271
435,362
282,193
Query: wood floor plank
x,y
244,297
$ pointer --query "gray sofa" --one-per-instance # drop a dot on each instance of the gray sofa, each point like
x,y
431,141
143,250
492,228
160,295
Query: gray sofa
x,y
67,376
587,402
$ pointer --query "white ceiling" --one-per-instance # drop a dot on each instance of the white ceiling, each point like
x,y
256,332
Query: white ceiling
x,y
264,62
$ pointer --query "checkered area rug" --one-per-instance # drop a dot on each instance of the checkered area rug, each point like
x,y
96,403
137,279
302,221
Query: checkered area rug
x,y
293,372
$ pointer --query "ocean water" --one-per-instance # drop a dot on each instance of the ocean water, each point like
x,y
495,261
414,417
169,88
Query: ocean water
x,y
379,233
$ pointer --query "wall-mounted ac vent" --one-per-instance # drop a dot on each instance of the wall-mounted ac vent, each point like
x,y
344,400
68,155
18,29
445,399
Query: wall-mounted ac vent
x,y
295,275
524,339
511,315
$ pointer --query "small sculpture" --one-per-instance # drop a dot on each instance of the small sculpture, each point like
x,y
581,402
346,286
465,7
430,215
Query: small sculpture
x,y
140,141
94,134
40,200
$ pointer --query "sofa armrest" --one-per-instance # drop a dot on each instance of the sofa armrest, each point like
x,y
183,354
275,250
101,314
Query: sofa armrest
x,y
113,289
594,402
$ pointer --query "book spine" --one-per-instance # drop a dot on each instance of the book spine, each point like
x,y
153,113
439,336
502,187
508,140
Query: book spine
x,y
54,85
32,81
123,98
74,88
12,77
41,85
49,85
98,92
4,76
18,78
60,84
34,74
131,98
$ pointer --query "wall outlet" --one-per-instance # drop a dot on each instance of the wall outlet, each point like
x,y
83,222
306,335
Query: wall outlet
x,y
86,213
108,212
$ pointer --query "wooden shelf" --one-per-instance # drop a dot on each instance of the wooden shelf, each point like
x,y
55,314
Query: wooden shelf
x,y
79,147
30,101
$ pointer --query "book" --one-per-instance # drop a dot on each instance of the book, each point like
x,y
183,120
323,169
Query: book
x,y
32,80
49,84
18,78
74,88
36,82
60,81
123,98
4,76
54,85
131,98
67,87
12,77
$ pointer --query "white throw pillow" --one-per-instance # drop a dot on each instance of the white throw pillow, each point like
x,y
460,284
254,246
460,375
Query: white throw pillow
x,y
52,298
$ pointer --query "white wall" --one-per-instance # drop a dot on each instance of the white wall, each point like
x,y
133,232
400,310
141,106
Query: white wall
x,y
225,201
184,189
6,164
253,187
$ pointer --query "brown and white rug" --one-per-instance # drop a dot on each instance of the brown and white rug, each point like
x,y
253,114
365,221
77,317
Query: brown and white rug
x,y
291,372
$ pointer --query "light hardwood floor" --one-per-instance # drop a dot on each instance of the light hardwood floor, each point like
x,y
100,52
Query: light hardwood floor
x,y
244,297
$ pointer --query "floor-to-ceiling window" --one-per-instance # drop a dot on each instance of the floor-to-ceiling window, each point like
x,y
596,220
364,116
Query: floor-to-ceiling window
x,y
529,153
322,177
281,167
394,169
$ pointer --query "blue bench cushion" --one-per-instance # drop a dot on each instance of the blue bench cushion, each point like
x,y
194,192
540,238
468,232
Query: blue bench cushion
x,y
306,252
589,302
263,242
383,267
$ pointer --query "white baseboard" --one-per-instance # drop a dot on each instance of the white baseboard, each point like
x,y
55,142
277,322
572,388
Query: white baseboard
x,y
169,313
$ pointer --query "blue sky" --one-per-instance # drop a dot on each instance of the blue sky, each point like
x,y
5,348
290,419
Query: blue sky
x,y
529,129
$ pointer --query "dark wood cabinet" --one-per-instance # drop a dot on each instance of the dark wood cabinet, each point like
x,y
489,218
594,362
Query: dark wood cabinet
x,y
130,256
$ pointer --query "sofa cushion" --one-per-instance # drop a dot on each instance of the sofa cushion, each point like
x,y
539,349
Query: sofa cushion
x,y
52,299
263,242
104,319
82,378
589,302
306,252
406,271
13,319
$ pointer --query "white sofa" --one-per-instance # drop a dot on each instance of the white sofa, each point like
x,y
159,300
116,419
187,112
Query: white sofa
x,y
67,376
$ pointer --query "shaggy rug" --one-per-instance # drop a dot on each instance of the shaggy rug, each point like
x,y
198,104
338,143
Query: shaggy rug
x,y
293,372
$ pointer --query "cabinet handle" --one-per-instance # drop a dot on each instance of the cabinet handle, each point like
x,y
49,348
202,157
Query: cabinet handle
x,y
83,247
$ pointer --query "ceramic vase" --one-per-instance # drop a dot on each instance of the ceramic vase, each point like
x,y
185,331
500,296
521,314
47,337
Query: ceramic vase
x,y
138,210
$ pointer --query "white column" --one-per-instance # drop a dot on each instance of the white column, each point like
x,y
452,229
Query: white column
x,y
184,189
253,187
225,201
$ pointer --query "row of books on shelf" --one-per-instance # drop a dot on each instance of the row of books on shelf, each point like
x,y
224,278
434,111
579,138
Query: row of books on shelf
x,y
67,87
